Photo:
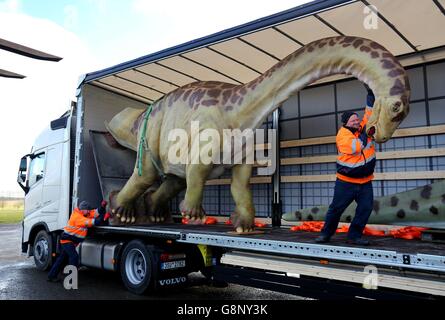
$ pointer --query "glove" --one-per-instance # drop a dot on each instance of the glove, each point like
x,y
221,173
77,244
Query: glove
x,y
101,210
99,221
370,99
363,137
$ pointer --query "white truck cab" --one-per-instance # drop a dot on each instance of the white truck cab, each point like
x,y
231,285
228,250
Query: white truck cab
x,y
44,175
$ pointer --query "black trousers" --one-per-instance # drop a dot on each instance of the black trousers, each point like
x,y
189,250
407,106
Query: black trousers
x,y
344,194
68,253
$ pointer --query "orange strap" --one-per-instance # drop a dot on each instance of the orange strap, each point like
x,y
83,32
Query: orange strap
x,y
408,233
211,220
311,226
373,232
208,220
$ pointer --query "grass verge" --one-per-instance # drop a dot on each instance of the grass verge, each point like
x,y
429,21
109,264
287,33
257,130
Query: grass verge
x,y
9,216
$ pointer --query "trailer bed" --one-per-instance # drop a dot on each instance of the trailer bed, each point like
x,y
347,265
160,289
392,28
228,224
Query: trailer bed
x,y
385,251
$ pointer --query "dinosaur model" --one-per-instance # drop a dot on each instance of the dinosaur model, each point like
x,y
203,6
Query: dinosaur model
x,y
420,207
218,106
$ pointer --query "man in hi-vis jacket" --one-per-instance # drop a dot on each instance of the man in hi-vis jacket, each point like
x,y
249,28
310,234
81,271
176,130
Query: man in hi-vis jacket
x,y
355,167
81,219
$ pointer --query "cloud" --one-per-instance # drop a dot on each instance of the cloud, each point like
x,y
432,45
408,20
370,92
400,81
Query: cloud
x,y
10,6
28,105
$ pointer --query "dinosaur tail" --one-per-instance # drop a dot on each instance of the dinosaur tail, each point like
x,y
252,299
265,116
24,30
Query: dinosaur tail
x,y
420,207
124,127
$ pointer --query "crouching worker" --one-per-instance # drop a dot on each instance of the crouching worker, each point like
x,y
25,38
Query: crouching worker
x,y
81,219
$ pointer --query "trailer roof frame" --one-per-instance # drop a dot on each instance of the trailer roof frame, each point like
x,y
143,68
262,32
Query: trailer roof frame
x,y
233,32
239,54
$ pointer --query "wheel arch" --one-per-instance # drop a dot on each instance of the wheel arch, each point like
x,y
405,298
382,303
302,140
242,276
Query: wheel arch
x,y
33,233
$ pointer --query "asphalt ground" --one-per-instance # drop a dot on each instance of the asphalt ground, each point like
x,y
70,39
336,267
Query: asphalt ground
x,y
20,280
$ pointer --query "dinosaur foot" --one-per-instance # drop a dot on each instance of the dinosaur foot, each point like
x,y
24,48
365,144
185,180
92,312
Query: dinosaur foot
x,y
122,214
156,213
243,222
194,214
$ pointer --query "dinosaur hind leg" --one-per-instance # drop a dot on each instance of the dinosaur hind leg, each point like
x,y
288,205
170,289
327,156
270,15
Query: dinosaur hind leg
x,y
244,215
157,202
122,203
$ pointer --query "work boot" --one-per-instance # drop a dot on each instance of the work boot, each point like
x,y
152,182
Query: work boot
x,y
322,239
358,241
53,279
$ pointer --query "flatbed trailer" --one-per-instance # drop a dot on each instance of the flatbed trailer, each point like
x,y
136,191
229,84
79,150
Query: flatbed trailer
x,y
290,262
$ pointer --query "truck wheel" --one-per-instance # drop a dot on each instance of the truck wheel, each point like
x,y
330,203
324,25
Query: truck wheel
x,y
42,250
136,267
208,274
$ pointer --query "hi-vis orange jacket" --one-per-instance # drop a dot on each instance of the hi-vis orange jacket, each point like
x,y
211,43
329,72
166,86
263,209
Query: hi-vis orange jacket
x,y
355,161
77,227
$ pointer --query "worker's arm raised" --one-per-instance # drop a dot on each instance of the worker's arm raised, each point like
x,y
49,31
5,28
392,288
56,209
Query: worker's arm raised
x,y
370,99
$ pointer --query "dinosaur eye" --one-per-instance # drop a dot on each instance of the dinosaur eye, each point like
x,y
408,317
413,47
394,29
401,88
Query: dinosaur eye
x,y
396,106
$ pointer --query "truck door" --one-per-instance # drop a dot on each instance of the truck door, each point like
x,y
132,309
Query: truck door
x,y
33,199
51,193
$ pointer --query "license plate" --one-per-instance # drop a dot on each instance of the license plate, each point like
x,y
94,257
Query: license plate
x,y
172,264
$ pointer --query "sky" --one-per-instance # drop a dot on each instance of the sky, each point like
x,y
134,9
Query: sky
x,y
91,35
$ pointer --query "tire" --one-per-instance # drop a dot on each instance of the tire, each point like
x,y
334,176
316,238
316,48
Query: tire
x,y
42,250
136,267
208,274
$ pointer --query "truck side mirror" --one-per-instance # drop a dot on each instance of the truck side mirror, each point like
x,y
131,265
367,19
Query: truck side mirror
x,y
23,164
21,177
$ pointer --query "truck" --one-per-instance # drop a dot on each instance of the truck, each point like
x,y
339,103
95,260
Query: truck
x,y
72,160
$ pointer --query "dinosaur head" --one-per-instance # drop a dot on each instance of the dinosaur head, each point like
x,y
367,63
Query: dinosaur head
x,y
390,108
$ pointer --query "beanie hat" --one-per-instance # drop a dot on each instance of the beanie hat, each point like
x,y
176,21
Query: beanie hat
x,y
84,205
346,115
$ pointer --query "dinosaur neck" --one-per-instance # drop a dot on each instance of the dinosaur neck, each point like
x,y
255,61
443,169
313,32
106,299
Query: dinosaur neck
x,y
361,58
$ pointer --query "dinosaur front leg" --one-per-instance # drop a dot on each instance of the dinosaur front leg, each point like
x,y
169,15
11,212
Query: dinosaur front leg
x,y
122,204
157,201
191,206
244,215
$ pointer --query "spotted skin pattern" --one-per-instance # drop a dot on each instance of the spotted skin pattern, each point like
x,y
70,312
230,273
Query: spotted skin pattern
x,y
422,207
